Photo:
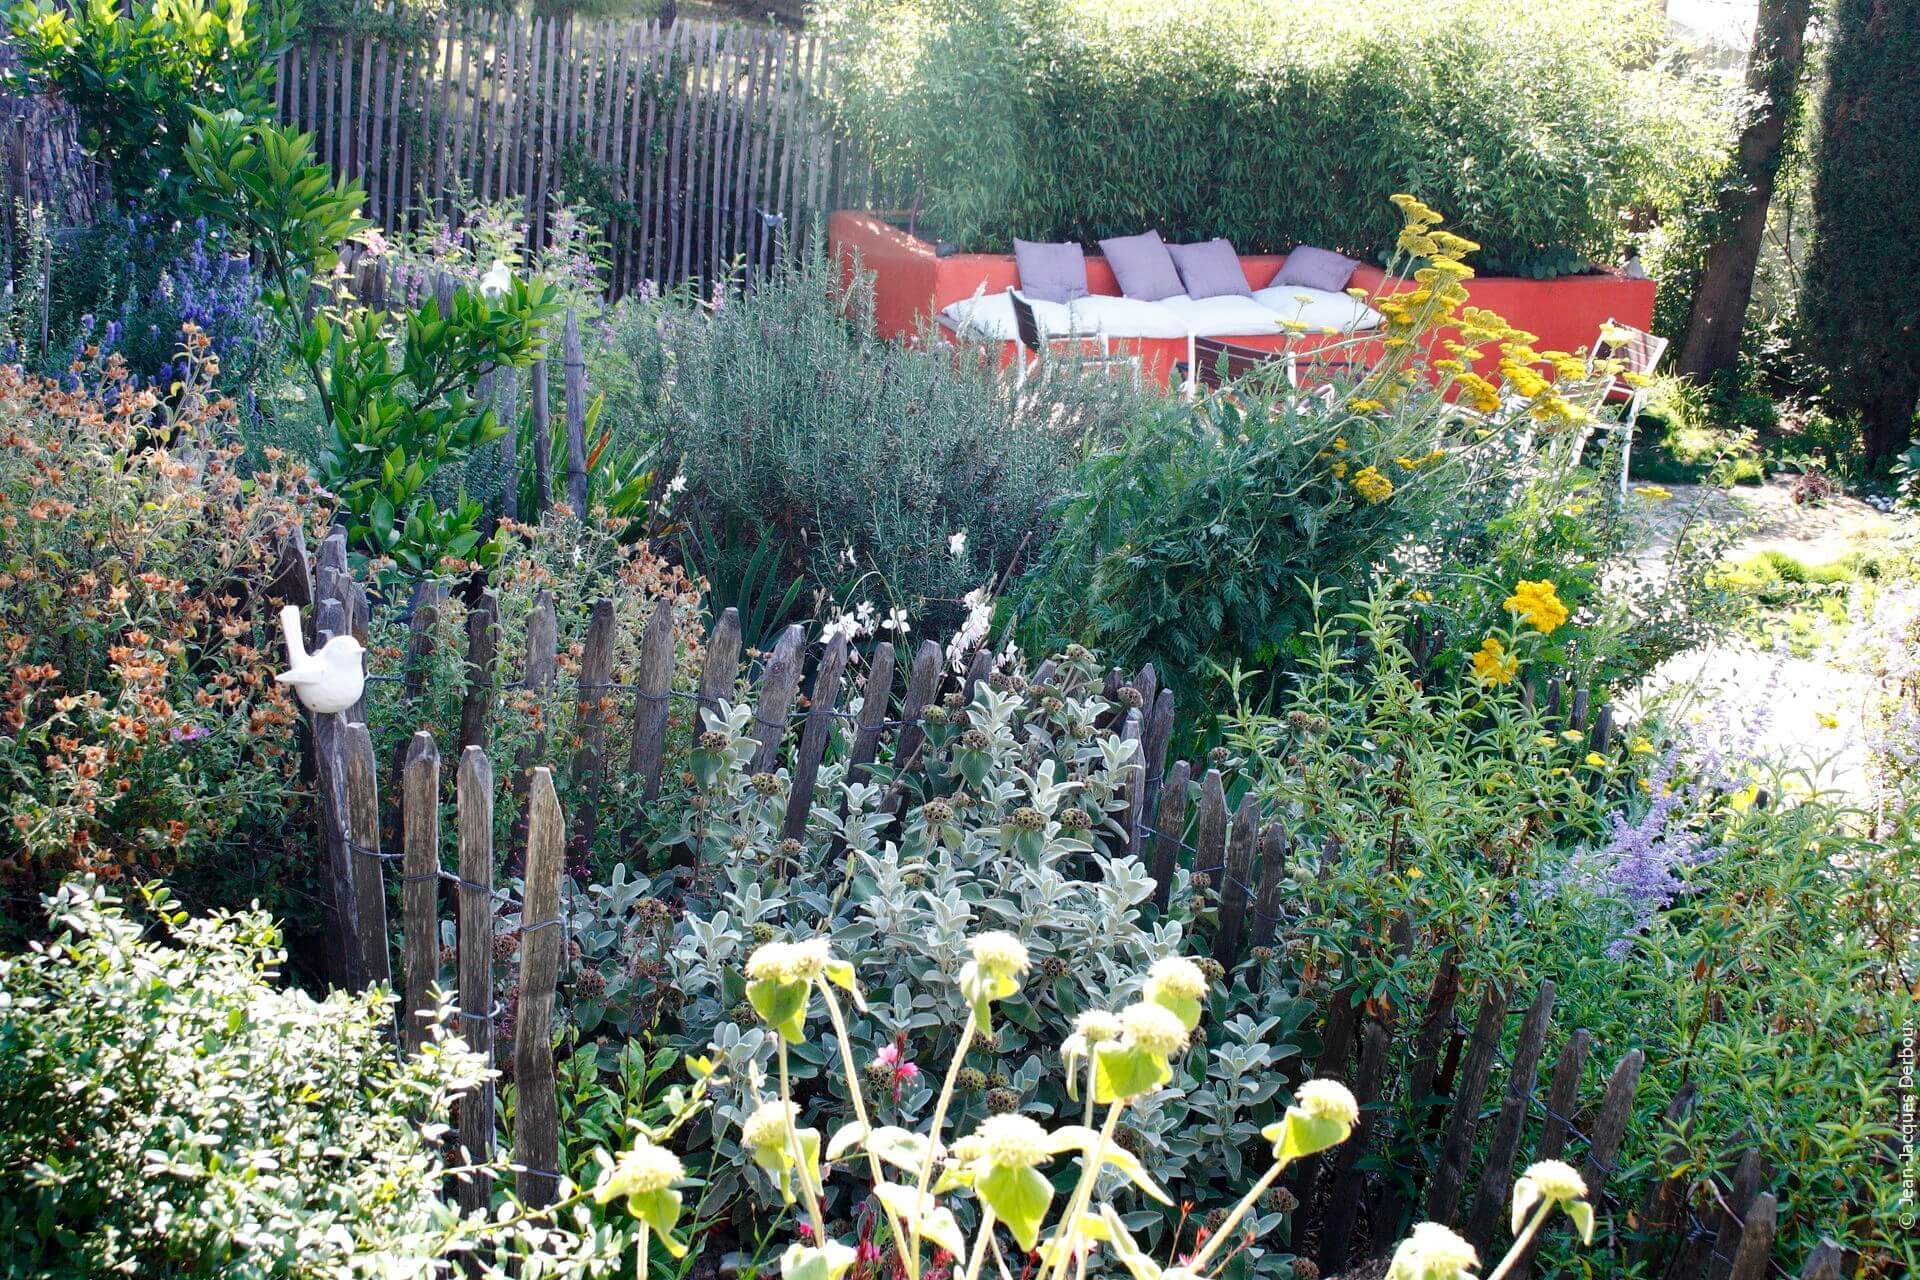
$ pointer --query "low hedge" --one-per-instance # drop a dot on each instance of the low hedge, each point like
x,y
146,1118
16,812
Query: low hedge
x,y
1269,124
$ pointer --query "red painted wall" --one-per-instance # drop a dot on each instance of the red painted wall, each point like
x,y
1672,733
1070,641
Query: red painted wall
x,y
912,284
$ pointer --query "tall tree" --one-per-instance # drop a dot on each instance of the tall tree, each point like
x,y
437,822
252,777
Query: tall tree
x,y
1775,66
1860,304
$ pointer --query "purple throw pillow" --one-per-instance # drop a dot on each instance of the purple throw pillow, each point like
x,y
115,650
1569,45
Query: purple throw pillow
x,y
1143,266
1051,272
1210,269
1312,268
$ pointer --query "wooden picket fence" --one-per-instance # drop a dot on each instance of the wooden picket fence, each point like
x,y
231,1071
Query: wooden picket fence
x,y
705,142
1436,1073
1426,1069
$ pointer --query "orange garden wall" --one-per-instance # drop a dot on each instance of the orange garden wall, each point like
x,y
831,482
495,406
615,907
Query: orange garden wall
x,y
912,284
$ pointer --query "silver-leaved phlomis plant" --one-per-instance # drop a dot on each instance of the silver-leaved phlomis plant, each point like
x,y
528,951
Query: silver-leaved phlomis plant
x,y
923,1181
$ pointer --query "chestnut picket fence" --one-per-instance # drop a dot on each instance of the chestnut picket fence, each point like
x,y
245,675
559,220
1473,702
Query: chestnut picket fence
x,y
701,145
1464,1096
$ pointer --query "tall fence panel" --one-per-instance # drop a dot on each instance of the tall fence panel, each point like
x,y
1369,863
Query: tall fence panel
x,y
700,146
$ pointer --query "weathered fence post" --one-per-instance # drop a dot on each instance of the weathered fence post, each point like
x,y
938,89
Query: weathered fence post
x,y
652,694
923,684
369,869
483,640
1349,1180
876,695
420,891
343,911
1450,1172
1155,737
814,738
1497,1173
779,681
541,665
474,794
1665,1202
722,665
540,401
1233,882
595,695
536,1133
1169,825
1273,871
576,392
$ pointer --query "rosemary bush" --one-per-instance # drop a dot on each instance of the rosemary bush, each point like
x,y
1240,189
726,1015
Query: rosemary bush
x,y
858,460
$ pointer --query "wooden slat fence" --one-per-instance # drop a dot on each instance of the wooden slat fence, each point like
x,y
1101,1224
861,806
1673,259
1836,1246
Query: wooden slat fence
x,y
1453,1105
701,144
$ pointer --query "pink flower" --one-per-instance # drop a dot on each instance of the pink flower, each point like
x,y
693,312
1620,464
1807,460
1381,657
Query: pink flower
x,y
889,1056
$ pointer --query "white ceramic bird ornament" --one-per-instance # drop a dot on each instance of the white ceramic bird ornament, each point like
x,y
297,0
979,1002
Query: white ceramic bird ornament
x,y
327,682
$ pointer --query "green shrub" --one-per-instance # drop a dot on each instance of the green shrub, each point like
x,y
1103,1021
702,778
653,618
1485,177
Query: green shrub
x,y
1270,124
397,393
813,451
134,74
1749,948
1195,544
167,1107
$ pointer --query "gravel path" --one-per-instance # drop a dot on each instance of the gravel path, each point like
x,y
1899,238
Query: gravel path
x,y
1810,710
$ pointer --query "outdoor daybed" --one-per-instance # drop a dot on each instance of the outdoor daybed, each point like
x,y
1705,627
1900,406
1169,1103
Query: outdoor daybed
x,y
965,295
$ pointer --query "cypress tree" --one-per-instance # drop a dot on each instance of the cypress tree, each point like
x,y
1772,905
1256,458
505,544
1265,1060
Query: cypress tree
x,y
1861,303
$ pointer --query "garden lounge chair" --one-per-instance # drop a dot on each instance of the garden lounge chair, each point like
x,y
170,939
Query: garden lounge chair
x,y
1218,364
1640,352
1040,350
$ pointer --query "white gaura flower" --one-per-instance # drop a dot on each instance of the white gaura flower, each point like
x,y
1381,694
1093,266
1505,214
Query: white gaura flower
x,y
957,544
896,621
678,483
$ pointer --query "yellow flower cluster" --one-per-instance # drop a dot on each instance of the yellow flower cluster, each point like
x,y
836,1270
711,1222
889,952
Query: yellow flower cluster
x,y
1537,603
1372,486
1492,664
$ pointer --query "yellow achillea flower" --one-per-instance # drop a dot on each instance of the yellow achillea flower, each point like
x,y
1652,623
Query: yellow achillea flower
x,y
1653,492
1339,470
1492,664
1371,485
1423,597
1538,604
1365,406
1481,396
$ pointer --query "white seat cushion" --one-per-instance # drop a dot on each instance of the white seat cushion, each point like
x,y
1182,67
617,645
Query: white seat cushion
x,y
1125,317
1229,315
1318,309
989,318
